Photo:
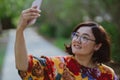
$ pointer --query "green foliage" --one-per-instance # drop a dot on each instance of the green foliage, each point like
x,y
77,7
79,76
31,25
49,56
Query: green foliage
x,y
60,42
13,8
47,30
3,46
61,15
2,54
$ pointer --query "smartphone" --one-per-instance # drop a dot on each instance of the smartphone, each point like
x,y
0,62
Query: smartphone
x,y
38,4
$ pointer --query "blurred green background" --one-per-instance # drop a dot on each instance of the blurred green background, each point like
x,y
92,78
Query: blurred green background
x,y
59,17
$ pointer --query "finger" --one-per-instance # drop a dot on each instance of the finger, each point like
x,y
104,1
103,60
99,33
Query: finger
x,y
30,16
30,10
34,10
26,13
33,14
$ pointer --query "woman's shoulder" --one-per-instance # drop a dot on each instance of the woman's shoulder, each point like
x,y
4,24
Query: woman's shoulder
x,y
106,69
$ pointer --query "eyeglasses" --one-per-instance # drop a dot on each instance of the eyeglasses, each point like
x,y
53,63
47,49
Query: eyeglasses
x,y
83,38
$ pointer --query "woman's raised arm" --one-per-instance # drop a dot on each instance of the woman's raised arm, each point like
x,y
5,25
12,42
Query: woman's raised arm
x,y
21,58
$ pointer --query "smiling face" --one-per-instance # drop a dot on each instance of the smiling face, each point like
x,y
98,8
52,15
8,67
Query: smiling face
x,y
83,42
89,38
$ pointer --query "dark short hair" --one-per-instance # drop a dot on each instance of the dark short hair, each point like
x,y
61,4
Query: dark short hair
x,y
103,54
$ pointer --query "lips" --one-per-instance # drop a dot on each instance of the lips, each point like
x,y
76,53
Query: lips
x,y
77,46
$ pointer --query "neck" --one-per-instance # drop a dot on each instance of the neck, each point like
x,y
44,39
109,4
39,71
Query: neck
x,y
84,60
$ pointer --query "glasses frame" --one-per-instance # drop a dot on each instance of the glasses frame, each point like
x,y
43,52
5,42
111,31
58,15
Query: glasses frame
x,y
81,39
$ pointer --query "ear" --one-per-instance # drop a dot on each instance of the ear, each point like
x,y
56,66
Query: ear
x,y
97,46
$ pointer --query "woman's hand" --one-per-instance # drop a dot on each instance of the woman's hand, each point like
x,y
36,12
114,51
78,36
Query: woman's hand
x,y
26,16
21,57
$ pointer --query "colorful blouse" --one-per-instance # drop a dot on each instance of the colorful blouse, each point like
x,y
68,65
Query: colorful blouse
x,y
64,68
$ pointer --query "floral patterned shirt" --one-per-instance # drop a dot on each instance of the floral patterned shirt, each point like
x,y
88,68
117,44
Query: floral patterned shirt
x,y
64,68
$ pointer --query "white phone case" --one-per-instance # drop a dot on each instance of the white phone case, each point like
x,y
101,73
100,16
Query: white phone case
x,y
38,4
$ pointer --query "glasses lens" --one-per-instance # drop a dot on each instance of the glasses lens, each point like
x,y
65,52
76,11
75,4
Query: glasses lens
x,y
73,35
83,39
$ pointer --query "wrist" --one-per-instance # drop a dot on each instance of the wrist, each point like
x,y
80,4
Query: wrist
x,y
21,25
20,29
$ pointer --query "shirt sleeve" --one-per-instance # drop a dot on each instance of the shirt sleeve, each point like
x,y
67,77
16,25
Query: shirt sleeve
x,y
35,69
108,72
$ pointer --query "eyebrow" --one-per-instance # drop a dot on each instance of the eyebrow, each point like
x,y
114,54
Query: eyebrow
x,y
84,34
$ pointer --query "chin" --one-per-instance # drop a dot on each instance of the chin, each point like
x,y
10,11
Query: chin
x,y
75,52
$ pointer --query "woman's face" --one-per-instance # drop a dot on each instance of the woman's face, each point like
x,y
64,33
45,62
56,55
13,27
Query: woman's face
x,y
83,41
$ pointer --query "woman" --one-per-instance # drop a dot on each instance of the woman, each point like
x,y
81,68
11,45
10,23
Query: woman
x,y
89,49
